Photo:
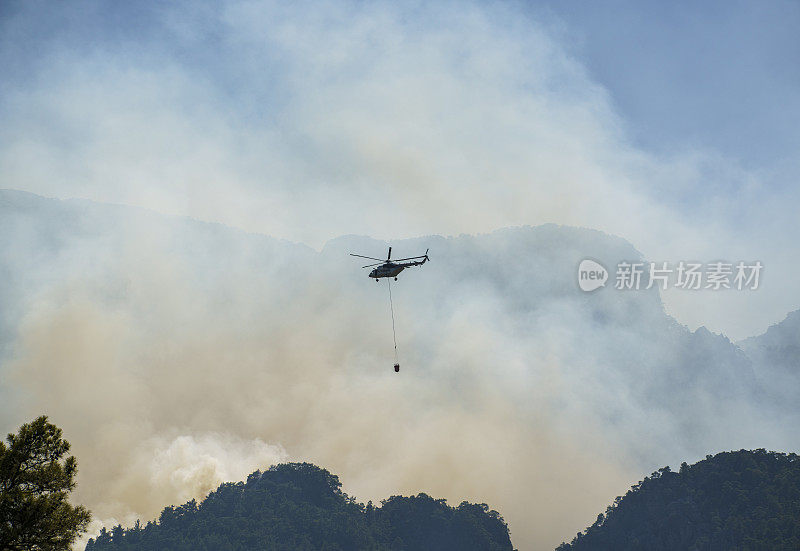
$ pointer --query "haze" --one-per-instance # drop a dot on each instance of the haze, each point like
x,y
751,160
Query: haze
x,y
177,354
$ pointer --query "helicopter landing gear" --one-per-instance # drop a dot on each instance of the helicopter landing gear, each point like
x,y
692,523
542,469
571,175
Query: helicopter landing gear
x,y
395,279
376,280
396,368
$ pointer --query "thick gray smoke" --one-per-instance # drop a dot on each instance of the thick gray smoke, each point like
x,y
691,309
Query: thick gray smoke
x,y
320,119
178,354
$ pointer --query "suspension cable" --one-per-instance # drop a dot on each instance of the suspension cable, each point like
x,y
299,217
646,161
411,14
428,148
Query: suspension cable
x,y
391,307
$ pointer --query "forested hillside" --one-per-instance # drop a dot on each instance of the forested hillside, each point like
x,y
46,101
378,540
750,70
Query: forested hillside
x,y
298,506
744,501
502,353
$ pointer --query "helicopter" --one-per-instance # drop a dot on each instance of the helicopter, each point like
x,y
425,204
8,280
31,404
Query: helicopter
x,y
392,268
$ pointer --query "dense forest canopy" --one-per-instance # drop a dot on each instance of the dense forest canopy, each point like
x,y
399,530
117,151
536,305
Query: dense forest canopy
x,y
298,506
744,501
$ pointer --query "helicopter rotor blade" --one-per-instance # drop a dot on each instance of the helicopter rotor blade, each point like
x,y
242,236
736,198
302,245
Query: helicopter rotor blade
x,y
370,265
369,257
390,255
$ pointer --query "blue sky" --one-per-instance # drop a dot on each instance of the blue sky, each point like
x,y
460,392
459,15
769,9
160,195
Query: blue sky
x,y
717,75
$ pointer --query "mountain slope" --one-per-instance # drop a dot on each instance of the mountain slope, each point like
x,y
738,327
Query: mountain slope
x,y
744,500
298,506
778,347
226,347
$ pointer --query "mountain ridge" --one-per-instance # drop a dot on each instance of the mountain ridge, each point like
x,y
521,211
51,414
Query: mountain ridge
x,y
746,500
299,506
497,344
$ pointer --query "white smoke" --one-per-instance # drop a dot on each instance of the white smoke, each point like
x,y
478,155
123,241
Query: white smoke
x,y
176,354
186,354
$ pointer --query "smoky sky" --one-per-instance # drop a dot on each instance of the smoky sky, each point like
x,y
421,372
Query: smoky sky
x,y
178,354
192,353
394,120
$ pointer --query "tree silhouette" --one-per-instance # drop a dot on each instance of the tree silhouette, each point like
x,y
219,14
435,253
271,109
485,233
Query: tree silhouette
x,y
35,483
